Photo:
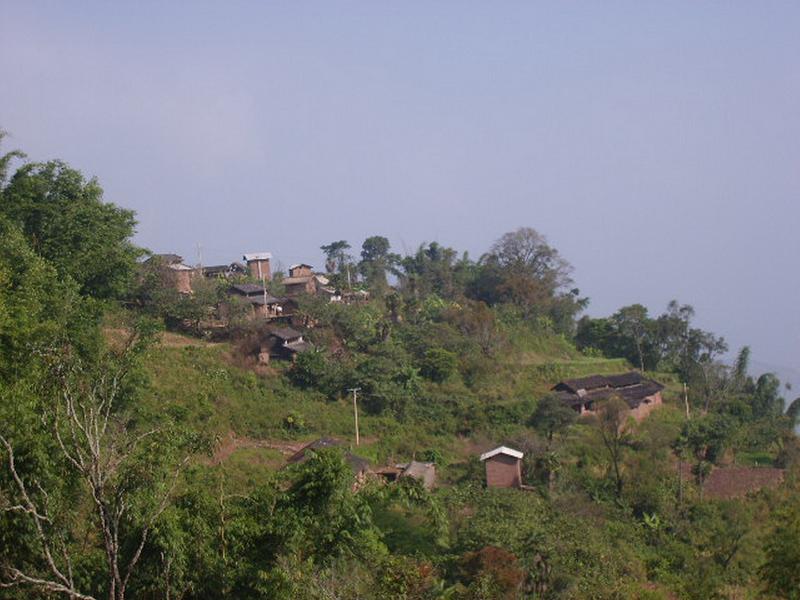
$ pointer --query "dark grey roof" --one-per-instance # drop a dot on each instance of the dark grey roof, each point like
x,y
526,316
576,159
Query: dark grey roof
x,y
223,269
631,387
299,346
286,333
325,442
261,301
357,463
248,289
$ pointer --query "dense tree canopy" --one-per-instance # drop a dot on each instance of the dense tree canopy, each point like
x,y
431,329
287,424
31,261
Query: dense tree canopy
x,y
66,221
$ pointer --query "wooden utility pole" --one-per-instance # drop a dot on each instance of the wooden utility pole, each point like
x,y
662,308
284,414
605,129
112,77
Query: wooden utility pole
x,y
355,409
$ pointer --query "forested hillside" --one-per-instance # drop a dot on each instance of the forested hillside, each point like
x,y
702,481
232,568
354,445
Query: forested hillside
x,y
147,436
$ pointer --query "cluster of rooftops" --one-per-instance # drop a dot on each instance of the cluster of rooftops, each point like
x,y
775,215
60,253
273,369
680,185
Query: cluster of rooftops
x,y
424,472
257,266
503,464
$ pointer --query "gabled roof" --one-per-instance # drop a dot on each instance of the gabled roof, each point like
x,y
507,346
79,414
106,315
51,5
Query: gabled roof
x,y
231,268
298,265
262,301
248,289
286,333
357,463
325,442
257,256
502,450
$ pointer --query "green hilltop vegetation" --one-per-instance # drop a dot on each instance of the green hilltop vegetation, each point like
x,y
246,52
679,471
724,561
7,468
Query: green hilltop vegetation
x,y
143,445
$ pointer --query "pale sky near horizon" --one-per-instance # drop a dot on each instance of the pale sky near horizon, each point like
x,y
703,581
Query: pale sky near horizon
x,y
655,144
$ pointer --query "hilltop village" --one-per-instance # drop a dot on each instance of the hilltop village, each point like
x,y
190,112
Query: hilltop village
x,y
271,303
421,426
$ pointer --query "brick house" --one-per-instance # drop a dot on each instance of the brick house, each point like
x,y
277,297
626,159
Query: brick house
x,y
301,280
582,395
503,467
174,272
258,265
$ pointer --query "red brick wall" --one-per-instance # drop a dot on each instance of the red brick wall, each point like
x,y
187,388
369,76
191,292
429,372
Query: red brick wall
x,y
266,273
647,406
183,281
503,471
308,287
300,272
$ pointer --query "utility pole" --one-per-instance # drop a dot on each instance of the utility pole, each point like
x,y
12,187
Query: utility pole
x,y
686,400
355,409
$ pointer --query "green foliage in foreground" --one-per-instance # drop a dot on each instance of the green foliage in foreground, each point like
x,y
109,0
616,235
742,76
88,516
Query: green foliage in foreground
x,y
132,468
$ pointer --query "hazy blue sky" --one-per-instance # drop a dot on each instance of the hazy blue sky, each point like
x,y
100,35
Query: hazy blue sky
x,y
656,144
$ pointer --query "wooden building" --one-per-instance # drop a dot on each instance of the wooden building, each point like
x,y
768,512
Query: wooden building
x,y
264,305
583,395
503,467
258,264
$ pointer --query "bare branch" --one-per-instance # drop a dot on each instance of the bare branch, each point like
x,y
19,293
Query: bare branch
x,y
17,578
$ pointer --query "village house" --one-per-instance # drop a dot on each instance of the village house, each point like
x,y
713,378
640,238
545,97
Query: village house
x,y
175,272
258,265
503,467
583,395
359,465
424,472
264,305
301,280
283,343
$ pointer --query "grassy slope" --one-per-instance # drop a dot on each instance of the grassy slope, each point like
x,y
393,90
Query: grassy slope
x,y
245,411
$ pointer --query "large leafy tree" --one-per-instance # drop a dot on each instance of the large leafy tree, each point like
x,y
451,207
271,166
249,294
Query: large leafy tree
x,y
435,269
524,270
66,221
552,417
338,263
377,260
633,324
705,439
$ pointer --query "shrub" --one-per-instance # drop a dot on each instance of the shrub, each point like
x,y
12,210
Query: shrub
x,y
439,364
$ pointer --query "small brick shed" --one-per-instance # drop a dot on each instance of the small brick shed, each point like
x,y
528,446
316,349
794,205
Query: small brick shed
x,y
503,467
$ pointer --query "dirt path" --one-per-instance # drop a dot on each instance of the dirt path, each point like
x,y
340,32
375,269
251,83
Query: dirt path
x,y
231,443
